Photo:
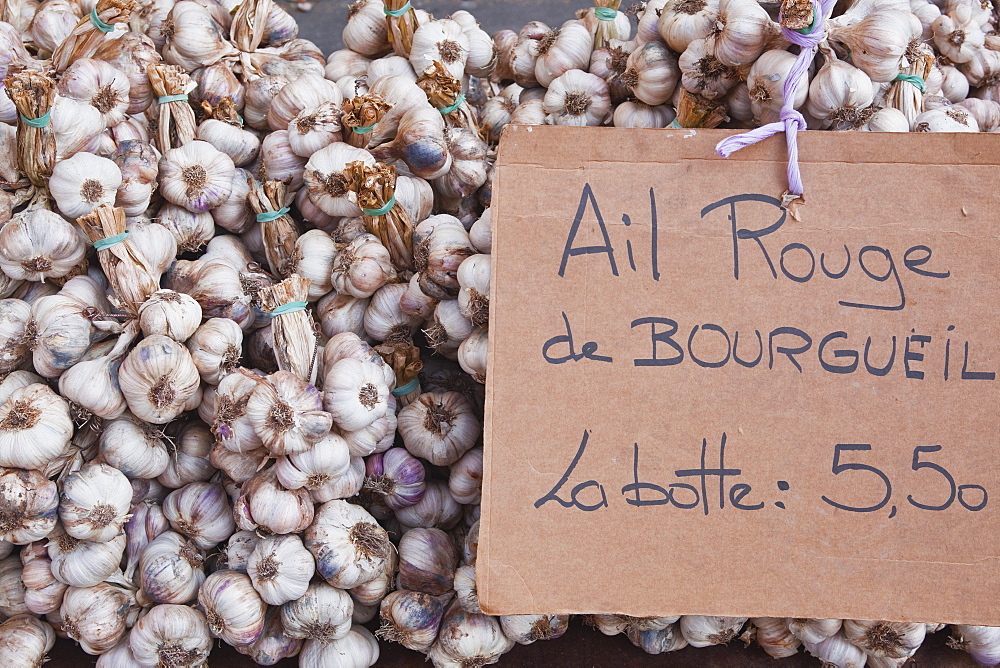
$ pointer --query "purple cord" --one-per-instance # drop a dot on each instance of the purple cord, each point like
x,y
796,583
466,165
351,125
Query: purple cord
x,y
791,120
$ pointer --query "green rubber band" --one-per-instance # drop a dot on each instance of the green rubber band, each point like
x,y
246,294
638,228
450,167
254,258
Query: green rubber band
x,y
912,79
605,13
98,23
454,107
108,242
384,210
172,98
396,13
808,29
39,122
363,130
675,125
290,307
268,216
406,389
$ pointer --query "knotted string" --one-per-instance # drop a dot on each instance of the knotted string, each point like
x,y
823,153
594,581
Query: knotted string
x,y
791,119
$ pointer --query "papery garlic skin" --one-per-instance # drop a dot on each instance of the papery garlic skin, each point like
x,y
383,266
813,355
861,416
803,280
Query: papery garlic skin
x,y
427,561
200,511
97,617
526,629
39,244
412,618
82,182
170,570
701,631
322,613
349,545
169,313
35,427
357,649
439,427
159,379
467,638
82,563
25,641
28,506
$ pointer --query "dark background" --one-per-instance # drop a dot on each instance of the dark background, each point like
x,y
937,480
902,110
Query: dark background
x,y
581,646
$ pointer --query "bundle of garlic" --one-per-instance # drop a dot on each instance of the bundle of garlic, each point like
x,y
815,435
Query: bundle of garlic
x,y
253,411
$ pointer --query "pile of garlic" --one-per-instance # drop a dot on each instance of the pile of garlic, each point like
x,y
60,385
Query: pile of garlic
x,y
225,260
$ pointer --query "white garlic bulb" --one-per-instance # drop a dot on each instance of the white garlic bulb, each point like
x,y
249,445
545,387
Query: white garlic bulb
x,y
893,640
322,613
84,563
681,22
28,503
439,427
442,41
216,348
280,568
577,98
357,649
196,176
742,31
264,503
838,651
82,182
286,414
766,82
362,267
35,427
349,546
173,635
356,394
200,511
427,561
304,92
701,631
774,636
561,50
981,642
233,609
189,457
652,73
412,618
43,593
325,180
526,629
315,469
958,35
232,426
465,480
191,230
466,638
12,588
466,593
100,85
436,508
25,641
879,42
838,95
97,617
39,244
314,257
951,120
95,503
147,522
159,380
813,631
170,570
172,314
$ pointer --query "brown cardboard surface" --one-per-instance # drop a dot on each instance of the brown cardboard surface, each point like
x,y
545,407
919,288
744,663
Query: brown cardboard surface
x,y
908,206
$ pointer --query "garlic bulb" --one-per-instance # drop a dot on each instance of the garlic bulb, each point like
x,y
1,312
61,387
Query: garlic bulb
x,y
411,618
97,617
193,38
474,296
981,642
365,32
951,120
28,506
239,548
216,348
656,641
170,570
189,457
577,98
155,242
681,22
774,637
35,427
887,120
322,613
356,394
397,476
264,503
340,313
349,546
742,31
357,649
280,568
95,503
233,610
436,508
159,380
439,427
42,592
239,466
701,631
84,563
468,638
287,414
893,640
766,82
954,85
526,629
472,354
957,35
317,468
561,50
196,176
362,267
443,41
171,635
146,523
326,181
233,427
39,244
652,73
279,162
879,42
839,95
838,651
100,85
465,480
200,511
427,561
314,128
12,588
229,137
82,182
814,631
986,112
172,314
25,641
305,92
273,644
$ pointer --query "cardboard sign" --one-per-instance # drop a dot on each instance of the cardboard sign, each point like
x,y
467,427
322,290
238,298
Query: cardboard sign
x,y
700,405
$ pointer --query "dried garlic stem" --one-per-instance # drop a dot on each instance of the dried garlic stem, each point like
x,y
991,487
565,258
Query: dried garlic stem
x,y
404,358
376,189
270,201
176,123
362,112
401,27
444,92
131,275
292,327
249,23
33,95
89,34
796,14
607,29
695,111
